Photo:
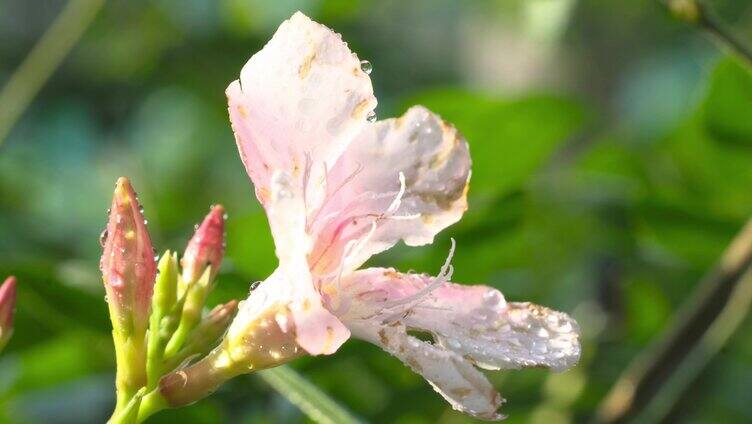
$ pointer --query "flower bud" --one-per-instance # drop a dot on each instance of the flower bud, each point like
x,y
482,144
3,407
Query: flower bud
x,y
206,247
207,333
211,328
166,285
127,264
7,304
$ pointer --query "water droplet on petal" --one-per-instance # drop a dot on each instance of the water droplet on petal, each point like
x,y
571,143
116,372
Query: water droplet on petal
x,y
146,222
103,237
366,66
195,227
371,116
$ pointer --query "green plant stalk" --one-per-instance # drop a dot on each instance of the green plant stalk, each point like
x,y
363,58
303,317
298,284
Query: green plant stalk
x,y
195,298
160,328
306,396
697,13
41,62
186,386
129,414
131,364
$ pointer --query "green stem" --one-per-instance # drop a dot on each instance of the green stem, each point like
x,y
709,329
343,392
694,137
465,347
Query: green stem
x,y
130,355
46,55
712,24
697,13
152,403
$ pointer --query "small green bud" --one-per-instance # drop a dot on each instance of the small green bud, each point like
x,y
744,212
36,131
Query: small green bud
x,y
195,299
207,333
166,286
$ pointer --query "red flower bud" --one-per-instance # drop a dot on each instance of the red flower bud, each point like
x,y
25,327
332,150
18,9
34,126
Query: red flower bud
x,y
206,247
7,304
127,264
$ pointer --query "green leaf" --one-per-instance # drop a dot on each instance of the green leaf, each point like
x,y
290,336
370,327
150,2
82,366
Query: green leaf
x,y
306,396
509,139
729,102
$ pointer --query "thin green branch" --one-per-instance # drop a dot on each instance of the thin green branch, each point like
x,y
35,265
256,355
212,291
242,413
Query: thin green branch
x,y
656,378
43,59
697,13
306,396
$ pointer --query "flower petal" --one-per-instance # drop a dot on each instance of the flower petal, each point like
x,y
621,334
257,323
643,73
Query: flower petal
x,y
316,329
473,321
452,376
403,178
298,102
287,303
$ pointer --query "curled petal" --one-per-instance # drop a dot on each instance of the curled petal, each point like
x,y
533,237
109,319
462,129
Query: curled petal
x,y
400,179
473,321
297,104
451,375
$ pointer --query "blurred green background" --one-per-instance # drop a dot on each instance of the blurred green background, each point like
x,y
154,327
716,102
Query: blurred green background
x,y
612,150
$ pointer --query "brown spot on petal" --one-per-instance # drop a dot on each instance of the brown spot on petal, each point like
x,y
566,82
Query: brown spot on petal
x,y
329,338
391,273
383,337
414,364
305,67
360,108
398,122
242,111
306,305
461,392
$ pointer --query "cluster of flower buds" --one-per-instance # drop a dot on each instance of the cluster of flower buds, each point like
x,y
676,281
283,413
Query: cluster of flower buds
x,y
7,304
157,310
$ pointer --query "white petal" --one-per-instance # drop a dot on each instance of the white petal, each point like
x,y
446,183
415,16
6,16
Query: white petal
x,y
316,329
400,179
452,376
298,102
473,321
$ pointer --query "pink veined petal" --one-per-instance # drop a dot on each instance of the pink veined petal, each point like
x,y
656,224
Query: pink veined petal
x,y
451,375
472,322
298,103
316,329
282,302
401,179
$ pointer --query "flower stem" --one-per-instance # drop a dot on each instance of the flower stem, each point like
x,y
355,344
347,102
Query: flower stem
x,y
43,59
724,35
697,13
131,361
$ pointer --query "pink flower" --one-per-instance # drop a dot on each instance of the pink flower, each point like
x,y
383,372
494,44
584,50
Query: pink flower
x,y
127,263
7,305
339,188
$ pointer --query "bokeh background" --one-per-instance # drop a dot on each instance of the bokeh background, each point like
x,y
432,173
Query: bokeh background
x,y
612,150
